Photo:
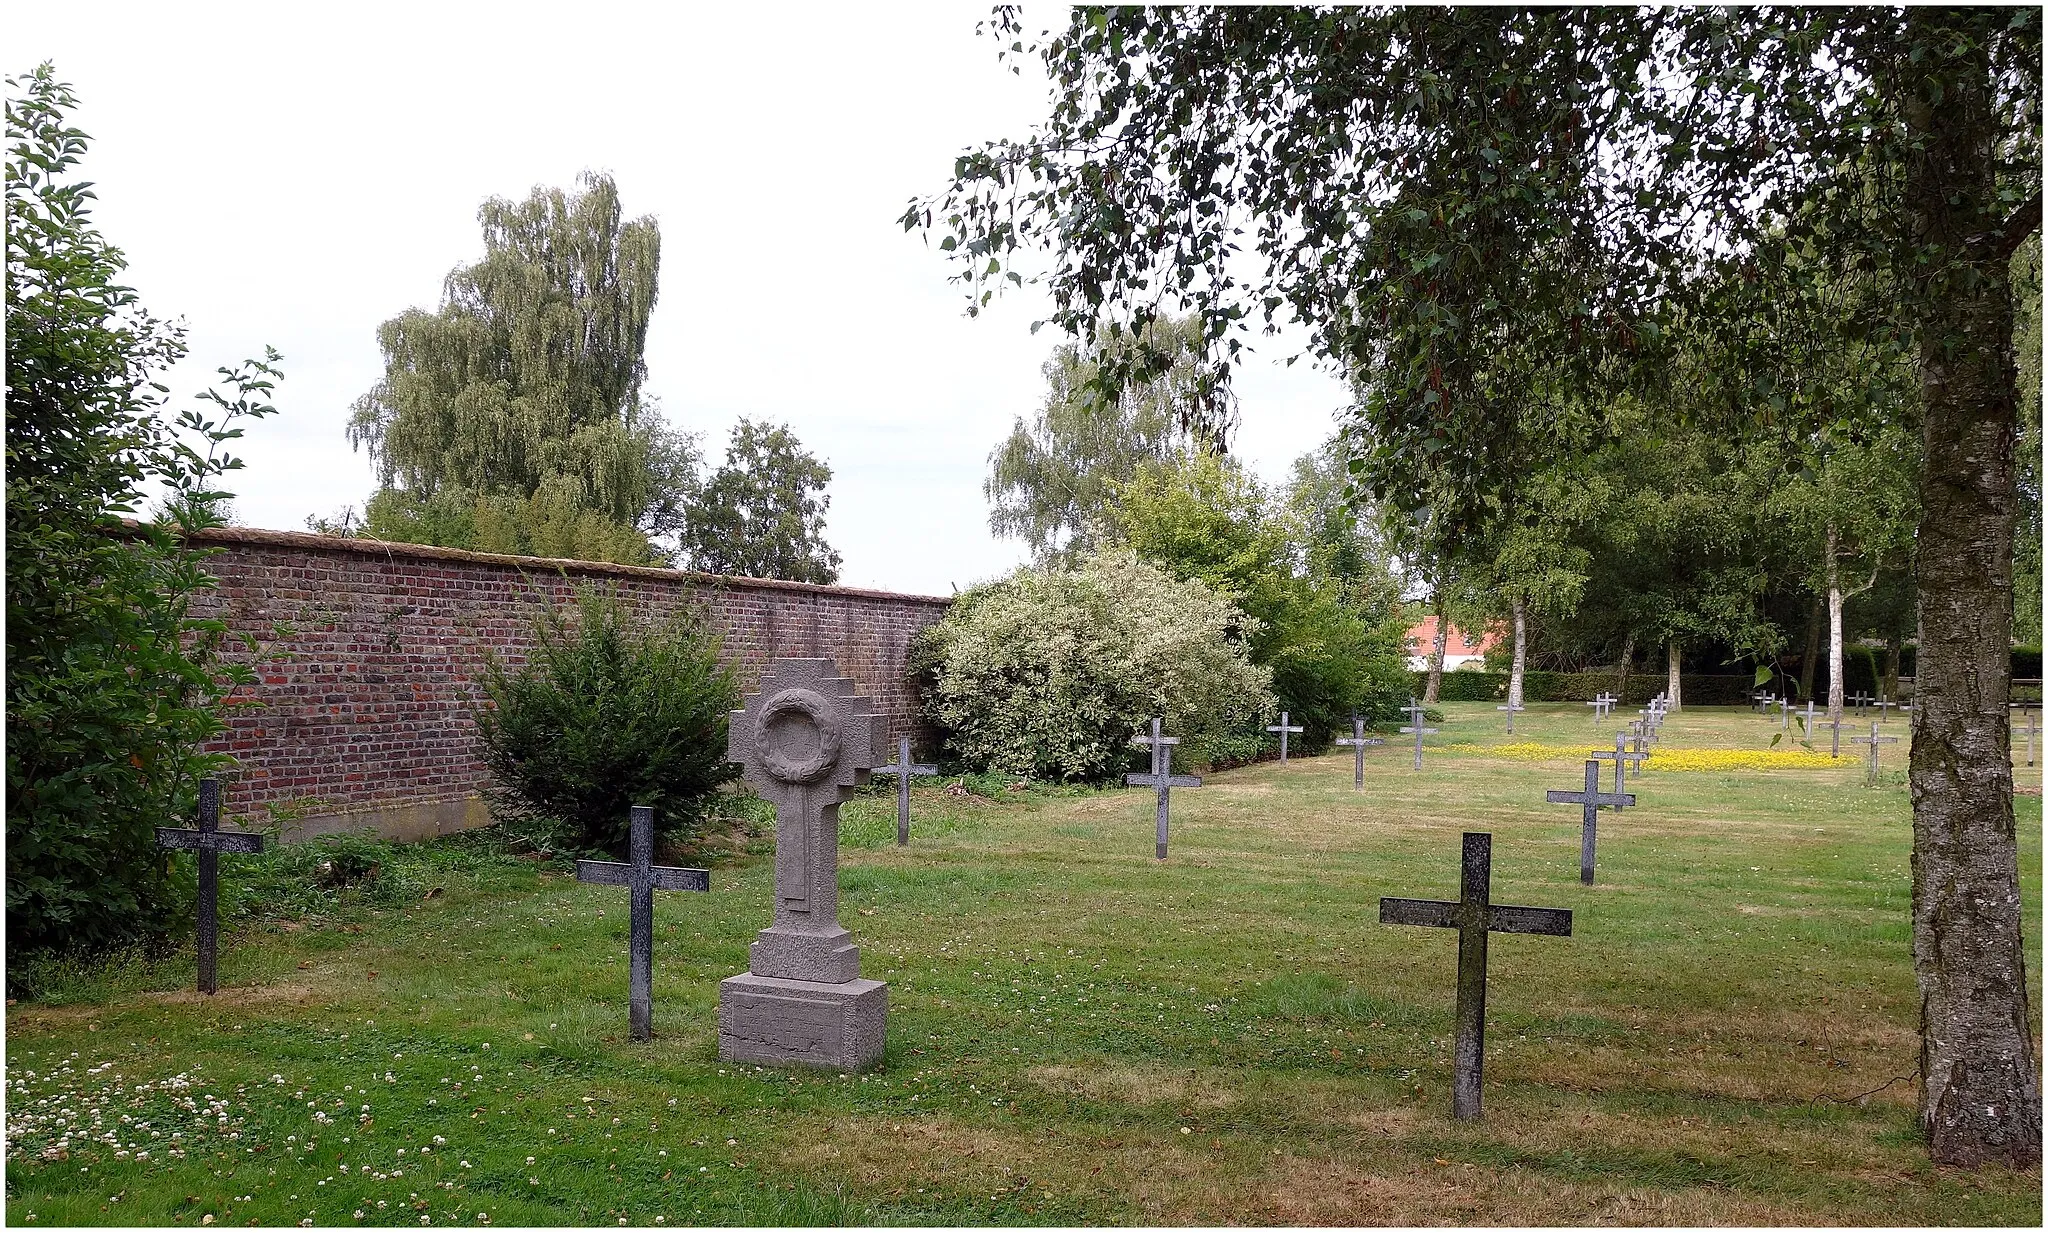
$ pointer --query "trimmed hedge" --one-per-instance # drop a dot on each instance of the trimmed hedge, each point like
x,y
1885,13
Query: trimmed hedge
x,y
1716,689
1537,686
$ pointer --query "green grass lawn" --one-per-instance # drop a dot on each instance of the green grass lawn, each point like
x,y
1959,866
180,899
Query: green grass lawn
x,y
1078,1033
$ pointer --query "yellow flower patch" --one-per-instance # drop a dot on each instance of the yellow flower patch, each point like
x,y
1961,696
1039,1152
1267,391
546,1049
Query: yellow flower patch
x,y
1668,759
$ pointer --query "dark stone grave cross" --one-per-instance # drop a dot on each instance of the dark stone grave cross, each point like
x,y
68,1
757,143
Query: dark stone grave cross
x,y
1283,729
642,877
1623,759
1511,709
209,841
1358,741
1414,712
1473,916
1859,701
1873,740
1883,705
1161,778
903,768
1590,800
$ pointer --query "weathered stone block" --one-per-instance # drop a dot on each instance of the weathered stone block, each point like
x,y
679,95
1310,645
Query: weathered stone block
x,y
773,1022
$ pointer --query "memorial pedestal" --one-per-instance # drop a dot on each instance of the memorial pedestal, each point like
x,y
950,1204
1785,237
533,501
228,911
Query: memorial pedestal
x,y
773,1022
805,742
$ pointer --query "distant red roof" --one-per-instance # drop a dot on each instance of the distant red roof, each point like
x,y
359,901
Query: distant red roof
x,y
1422,639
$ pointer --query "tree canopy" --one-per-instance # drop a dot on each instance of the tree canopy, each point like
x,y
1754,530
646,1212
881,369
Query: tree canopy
x,y
1051,483
1497,220
511,419
762,514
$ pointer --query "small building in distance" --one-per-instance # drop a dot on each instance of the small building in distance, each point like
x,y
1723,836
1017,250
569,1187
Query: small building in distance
x,y
1460,648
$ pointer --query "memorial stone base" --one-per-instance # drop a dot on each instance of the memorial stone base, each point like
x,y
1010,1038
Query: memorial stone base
x,y
774,1022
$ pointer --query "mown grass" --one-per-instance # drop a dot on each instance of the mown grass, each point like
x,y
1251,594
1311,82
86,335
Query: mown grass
x,y
1078,1033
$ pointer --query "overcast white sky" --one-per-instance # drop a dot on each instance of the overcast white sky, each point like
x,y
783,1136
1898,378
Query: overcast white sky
x,y
294,176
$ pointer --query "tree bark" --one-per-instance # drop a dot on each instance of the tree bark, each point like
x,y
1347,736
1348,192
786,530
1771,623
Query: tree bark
x,y
1889,686
1807,661
1521,649
1435,683
1674,657
1835,665
1628,664
1980,1095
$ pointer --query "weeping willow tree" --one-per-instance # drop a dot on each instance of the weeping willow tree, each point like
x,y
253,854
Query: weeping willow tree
x,y
511,420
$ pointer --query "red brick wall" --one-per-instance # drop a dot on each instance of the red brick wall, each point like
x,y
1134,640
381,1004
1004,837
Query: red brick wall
x,y
369,710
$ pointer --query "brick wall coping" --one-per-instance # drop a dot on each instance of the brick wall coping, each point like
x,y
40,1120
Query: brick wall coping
x,y
426,552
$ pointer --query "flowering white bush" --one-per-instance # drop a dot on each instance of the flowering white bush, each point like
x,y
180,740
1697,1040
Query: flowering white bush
x,y
1048,673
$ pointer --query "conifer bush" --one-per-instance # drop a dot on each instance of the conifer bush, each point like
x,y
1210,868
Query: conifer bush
x,y
1047,674
607,712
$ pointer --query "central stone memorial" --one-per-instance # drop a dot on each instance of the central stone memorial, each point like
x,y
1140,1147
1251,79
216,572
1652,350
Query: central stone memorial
x,y
805,741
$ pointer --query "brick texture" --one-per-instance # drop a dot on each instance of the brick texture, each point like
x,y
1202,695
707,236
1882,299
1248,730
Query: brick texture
x,y
370,656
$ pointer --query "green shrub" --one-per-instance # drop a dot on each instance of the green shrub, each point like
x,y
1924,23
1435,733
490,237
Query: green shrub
x,y
112,685
605,714
1202,517
1047,674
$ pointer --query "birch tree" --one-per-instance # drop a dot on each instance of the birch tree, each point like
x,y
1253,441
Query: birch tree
x,y
1442,195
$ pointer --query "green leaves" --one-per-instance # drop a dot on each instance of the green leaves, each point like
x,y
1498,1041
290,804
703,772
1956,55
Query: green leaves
x,y
523,390
607,712
762,515
113,685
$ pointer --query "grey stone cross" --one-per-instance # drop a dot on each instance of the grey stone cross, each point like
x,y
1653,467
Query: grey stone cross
x,y
1809,719
1590,801
642,877
1785,714
1283,730
1638,744
1834,724
806,740
903,769
2033,710
1601,704
1511,709
1414,712
1763,700
1859,701
1884,705
1473,915
1873,740
1358,741
1161,778
1623,759
209,841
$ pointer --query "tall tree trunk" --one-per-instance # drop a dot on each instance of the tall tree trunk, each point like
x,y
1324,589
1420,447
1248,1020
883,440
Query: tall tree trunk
x,y
1673,657
1806,661
1436,652
1835,665
1893,644
1980,1094
1521,651
1628,664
